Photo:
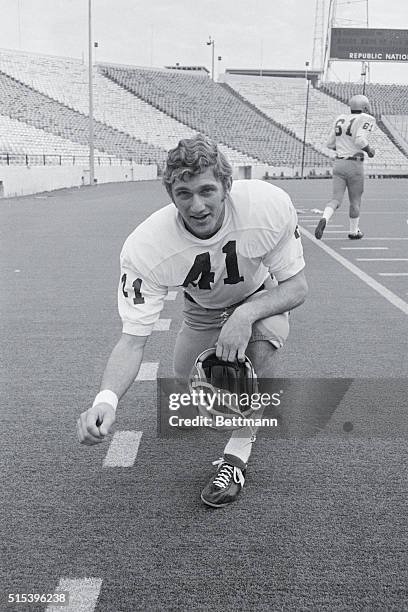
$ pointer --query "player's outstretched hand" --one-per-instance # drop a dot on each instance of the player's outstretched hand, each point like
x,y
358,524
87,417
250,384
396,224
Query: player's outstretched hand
x,y
95,423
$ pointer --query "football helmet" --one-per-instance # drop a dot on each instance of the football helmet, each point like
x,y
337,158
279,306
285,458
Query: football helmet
x,y
360,103
229,384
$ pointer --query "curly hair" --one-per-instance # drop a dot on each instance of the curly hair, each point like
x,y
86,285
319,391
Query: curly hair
x,y
193,156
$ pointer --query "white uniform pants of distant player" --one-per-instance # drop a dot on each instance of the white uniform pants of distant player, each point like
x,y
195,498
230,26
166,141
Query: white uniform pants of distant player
x,y
348,173
200,330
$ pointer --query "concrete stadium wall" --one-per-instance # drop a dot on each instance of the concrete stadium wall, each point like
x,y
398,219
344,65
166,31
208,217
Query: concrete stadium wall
x,y
24,180
260,171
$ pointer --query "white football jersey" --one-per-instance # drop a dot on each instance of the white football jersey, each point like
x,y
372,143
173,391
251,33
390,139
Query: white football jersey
x,y
350,133
258,236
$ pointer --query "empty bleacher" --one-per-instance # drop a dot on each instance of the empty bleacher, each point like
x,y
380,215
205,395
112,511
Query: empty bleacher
x,y
284,100
213,109
18,139
140,113
25,104
385,99
66,81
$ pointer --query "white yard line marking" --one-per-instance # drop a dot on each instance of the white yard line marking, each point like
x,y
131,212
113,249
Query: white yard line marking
x,y
148,371
364,248
327,226
369,238
83,594
336,231
123,449
382,258
371,282
392,273
162,325
171,295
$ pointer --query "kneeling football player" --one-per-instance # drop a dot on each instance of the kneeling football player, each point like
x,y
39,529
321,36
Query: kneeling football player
x,y
236,251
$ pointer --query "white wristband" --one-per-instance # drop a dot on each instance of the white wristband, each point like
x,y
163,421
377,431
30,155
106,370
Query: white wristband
x,y
106,397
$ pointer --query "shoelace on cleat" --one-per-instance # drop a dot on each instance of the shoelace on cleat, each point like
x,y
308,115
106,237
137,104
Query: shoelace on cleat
x,y
225,473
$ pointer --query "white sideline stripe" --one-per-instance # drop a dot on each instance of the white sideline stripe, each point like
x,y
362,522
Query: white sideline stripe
x,y
162,325
122,451
148,371
382,258
83,594
364,248
371,282
336,231
171,295
392,273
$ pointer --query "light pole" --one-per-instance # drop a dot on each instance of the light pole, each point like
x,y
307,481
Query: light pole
x,y
364,76
91,126
219,58
211,42
306,112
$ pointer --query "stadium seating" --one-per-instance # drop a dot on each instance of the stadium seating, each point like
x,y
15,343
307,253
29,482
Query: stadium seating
x,y
140,113
214,109
66,81
18,138
386,99
284,99
20,102
397,126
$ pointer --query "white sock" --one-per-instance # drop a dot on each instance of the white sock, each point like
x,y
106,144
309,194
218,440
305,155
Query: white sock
x,y
354,225
328,213
240,443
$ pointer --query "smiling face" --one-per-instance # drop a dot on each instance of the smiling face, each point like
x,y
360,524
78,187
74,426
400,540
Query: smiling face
x,y
200,199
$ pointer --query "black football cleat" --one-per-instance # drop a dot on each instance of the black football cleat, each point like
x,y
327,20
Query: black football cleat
x,y
320,228
225,486
356,236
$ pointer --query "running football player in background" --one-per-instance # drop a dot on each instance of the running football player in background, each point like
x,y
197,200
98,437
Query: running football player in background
x,y
222,243
349,138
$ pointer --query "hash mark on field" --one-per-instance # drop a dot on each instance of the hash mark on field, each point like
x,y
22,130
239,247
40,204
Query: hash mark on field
x,y
148,371
382,258
392,273
364,248
171,296
83,594
328,226
123,449
376,238
162,325
395,300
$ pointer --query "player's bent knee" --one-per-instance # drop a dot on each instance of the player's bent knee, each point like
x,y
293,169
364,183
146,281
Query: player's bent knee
x,y
274,329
